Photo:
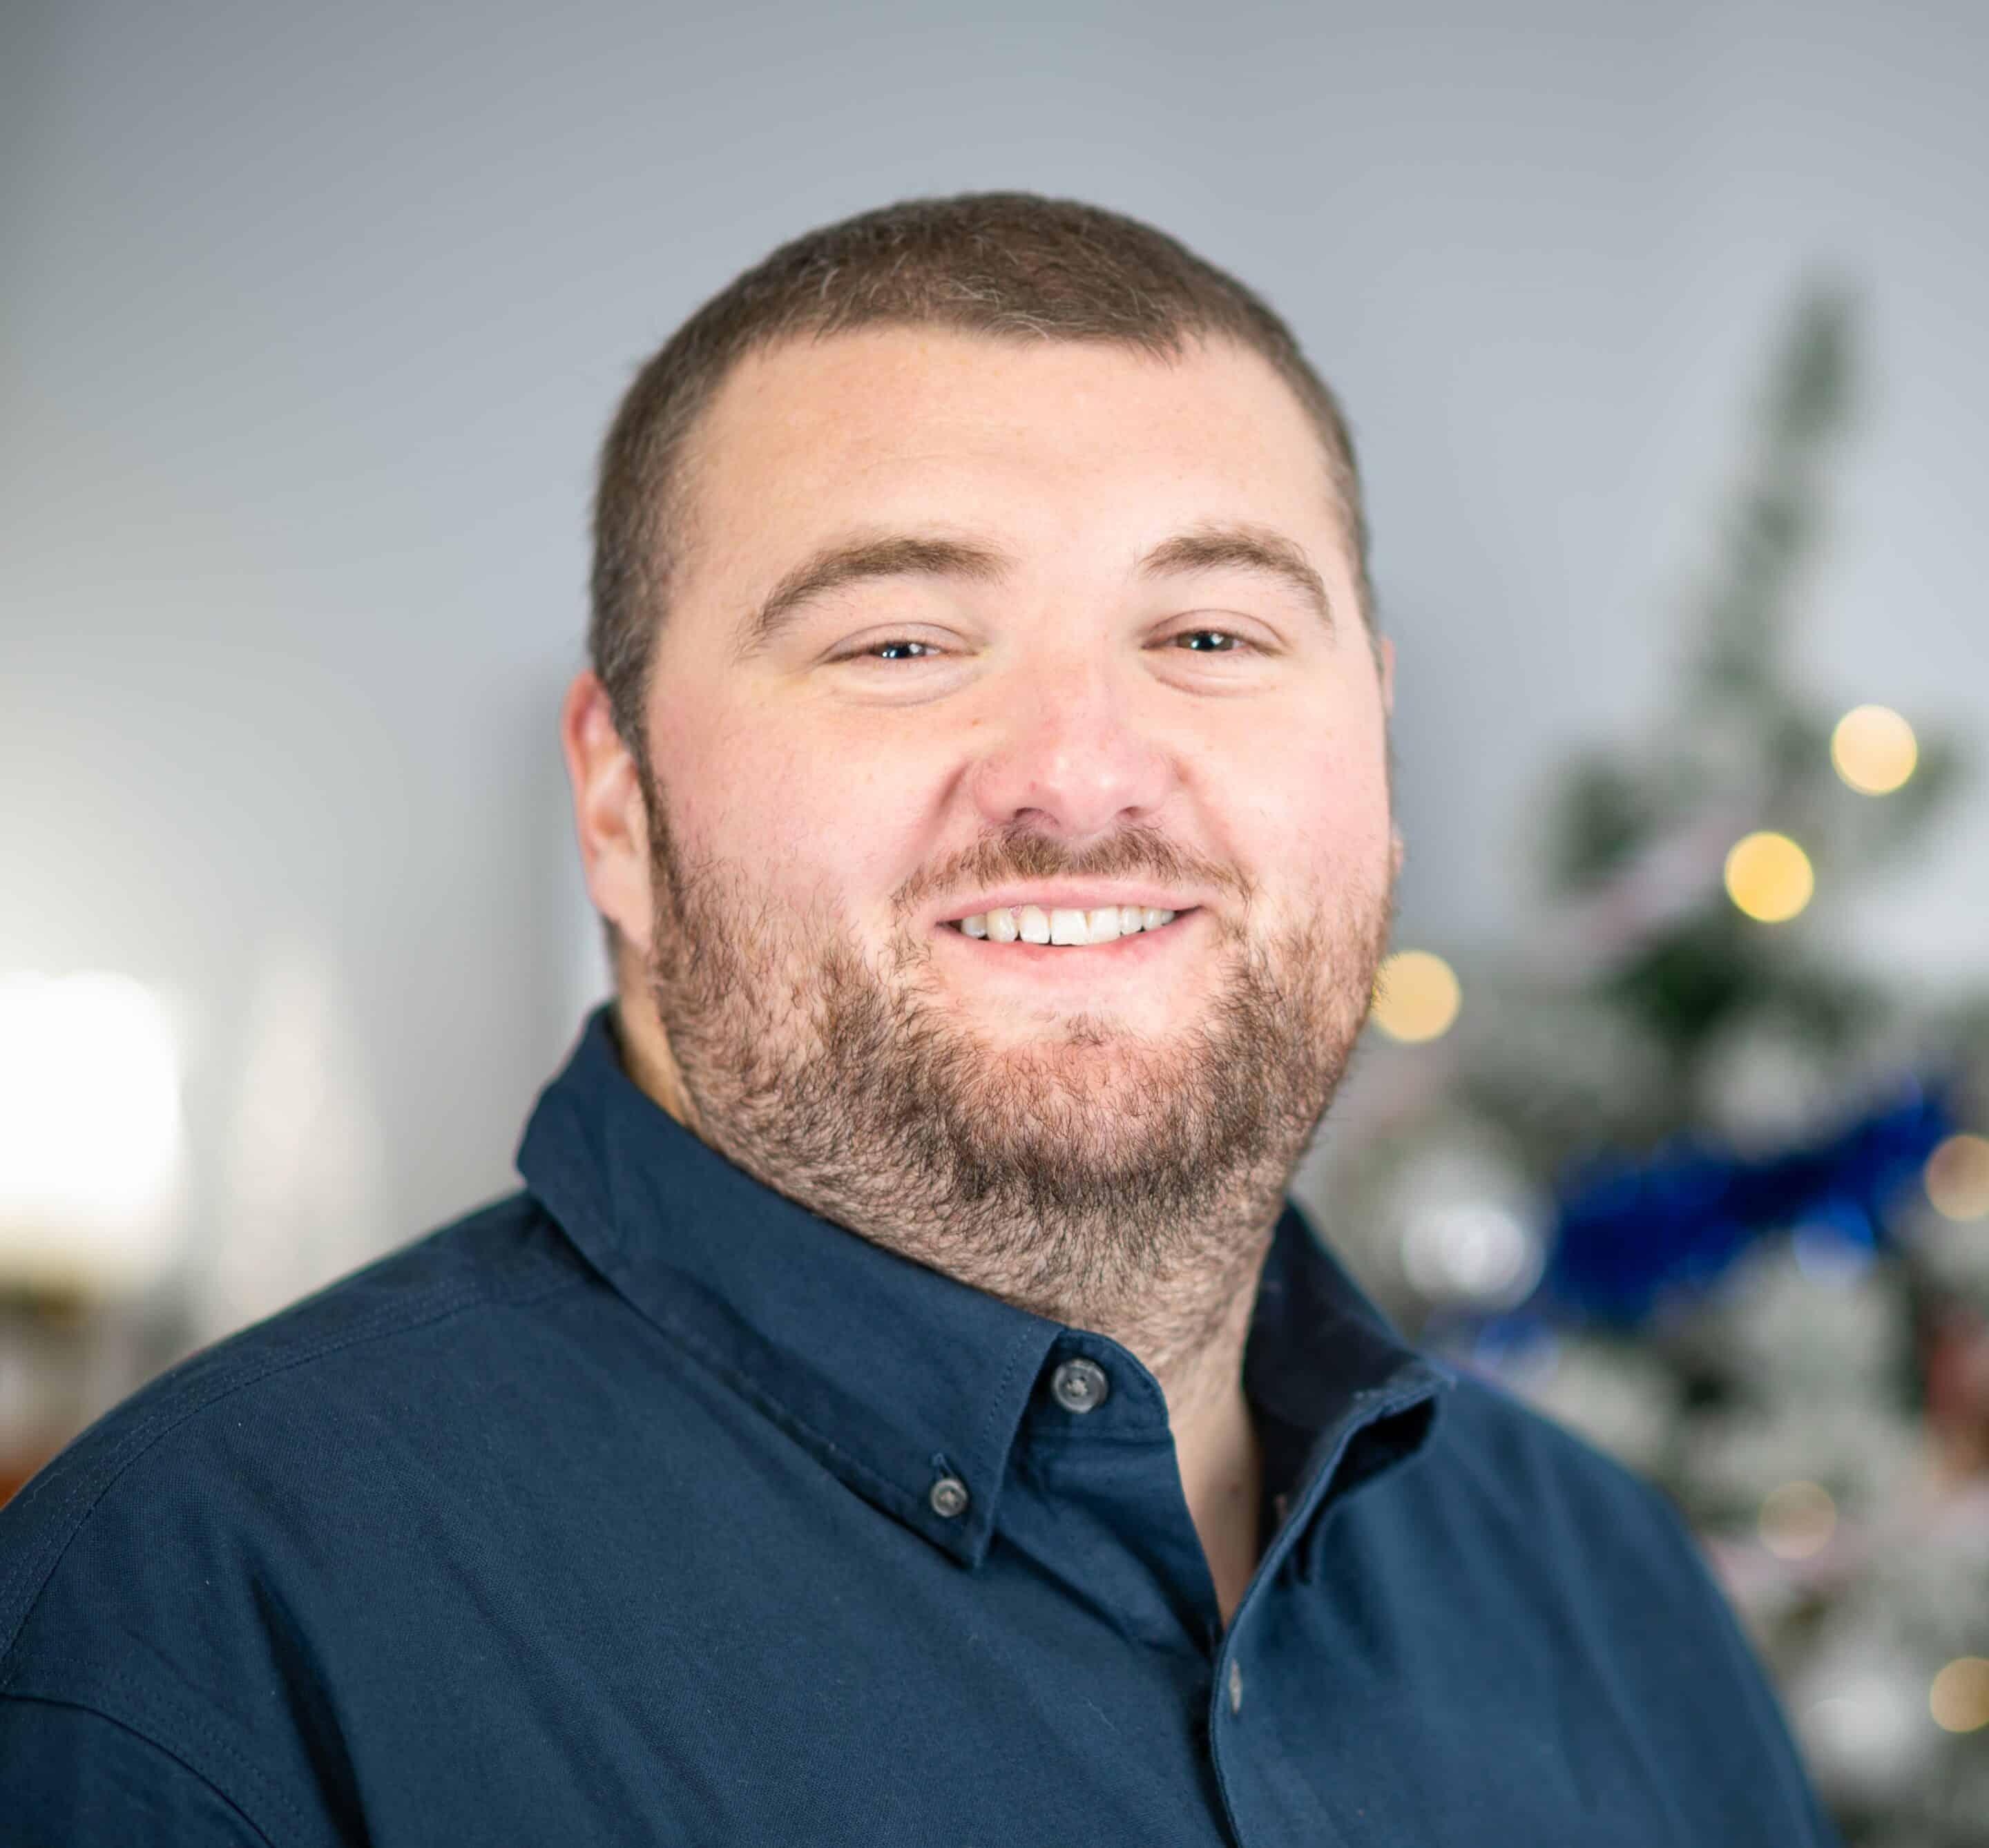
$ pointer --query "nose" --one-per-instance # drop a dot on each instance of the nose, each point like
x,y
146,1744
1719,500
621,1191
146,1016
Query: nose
x,y
1070,752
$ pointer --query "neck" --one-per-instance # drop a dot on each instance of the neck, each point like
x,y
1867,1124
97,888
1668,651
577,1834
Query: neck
x,y
644,1050
1219,1454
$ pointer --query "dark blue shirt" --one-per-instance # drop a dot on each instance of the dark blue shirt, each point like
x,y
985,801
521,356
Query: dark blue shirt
x,y
618,1513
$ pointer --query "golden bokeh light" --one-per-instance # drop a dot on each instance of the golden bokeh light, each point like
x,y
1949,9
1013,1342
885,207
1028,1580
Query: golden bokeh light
x,y
1959,1698
1874,749
1798,1520
1417,996
1957,1177
1769,877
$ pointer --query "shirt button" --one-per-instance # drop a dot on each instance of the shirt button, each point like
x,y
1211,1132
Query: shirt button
x,y
1080,1385
948,1497
1236,1685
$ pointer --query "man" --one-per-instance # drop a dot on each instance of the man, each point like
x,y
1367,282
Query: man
x,y
902,1406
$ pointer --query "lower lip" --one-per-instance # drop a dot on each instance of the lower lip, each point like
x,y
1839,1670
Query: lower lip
x,y
1049,960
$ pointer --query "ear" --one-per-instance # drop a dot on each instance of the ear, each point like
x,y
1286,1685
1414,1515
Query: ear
x,y
609,818
1397,845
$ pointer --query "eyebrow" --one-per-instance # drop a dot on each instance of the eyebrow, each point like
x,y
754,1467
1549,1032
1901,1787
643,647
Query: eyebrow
x,y
1213,545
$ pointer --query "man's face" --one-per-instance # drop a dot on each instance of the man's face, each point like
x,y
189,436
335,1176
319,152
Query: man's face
x,y
1060,1124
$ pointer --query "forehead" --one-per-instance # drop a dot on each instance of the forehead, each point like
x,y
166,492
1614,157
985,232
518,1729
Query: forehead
x,y
811,432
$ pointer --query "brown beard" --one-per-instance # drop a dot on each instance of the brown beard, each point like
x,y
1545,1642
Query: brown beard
x,y
1096,1176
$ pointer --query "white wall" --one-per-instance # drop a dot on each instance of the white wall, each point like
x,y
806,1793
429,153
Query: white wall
x,y
314,316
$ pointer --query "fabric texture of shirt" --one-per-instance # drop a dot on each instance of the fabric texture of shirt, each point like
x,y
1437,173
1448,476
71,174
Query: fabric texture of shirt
x,y
644,1506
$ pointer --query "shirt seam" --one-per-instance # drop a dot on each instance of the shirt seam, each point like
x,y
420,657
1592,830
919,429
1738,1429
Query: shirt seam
x,y
275,1798
564,1172
94,1478
705,1354
997,1403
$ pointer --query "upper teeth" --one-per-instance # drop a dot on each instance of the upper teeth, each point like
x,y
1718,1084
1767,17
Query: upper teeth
x,y
1034,924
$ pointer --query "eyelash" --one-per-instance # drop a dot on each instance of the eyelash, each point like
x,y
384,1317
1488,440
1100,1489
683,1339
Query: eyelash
x,y
1244,645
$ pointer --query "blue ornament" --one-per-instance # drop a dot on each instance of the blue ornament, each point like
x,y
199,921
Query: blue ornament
x,y
1632,1234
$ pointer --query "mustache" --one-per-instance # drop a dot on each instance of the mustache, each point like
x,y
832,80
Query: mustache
x,y
1017,855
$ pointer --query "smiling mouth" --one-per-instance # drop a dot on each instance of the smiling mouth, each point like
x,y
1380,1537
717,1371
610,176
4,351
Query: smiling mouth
x,y
1069,929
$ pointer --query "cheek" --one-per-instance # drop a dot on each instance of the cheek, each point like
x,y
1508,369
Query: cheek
x,y
1316,818
787,817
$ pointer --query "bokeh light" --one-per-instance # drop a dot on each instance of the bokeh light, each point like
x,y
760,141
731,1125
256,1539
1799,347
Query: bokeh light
x,y
91,1137
1959,1698
1957,1177
1873,1729
1417,996
1480,1250
1874,749
1769,877
1798,1520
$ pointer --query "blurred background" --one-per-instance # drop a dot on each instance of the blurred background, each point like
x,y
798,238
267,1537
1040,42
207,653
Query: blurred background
x,y
1661,331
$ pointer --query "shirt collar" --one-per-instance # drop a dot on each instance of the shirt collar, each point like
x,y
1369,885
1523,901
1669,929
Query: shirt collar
x,y
891,1374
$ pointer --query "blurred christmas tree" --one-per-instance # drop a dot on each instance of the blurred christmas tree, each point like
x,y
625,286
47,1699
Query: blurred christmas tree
x,y
1684,1179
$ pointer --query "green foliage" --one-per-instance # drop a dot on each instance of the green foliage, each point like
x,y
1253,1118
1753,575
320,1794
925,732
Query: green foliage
x,y
1778,520
1689,982
1603,817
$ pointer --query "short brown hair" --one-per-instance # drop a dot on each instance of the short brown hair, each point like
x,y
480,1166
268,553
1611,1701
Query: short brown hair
x,y
1009,265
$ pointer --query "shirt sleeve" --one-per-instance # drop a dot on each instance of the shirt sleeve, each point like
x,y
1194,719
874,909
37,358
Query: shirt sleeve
x,y
68,1773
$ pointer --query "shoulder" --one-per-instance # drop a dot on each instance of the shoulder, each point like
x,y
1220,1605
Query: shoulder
x,y
1503,1449
1583,1566
275,1546
1530,1489
219,1444
1552,1535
